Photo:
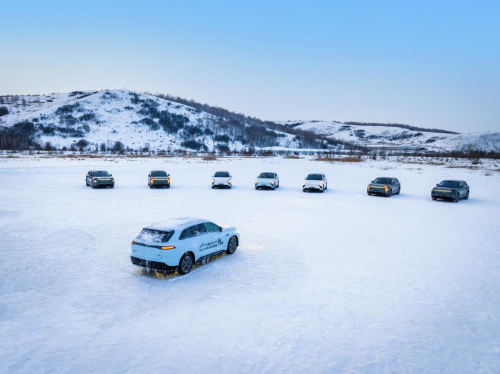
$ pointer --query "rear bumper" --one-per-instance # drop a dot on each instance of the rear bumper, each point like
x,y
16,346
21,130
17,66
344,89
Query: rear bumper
x,y
154,265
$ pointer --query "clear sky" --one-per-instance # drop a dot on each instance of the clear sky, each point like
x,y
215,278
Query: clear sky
x,y
424,63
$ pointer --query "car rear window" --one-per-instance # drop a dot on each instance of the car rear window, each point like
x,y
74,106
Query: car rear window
x,y
148,236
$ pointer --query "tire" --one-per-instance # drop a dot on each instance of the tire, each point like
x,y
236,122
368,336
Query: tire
x,y
389,194
466,196
213,187
256,187
232,245
369,194
399,191
86,183
112,186
278,186
273,188
323,190
326,186
185,264
93,185
434,198
168,185
151,186
456,198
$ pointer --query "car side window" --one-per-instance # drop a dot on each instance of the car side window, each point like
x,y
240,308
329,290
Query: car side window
x,y
193,231
211,227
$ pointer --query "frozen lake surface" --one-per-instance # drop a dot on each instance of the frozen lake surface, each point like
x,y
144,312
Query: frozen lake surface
x,y
333,282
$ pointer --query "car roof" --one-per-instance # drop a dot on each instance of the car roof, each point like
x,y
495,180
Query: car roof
x,y
315,174
176,223
221,171
156,170
387,177
453,180
98,170
270,172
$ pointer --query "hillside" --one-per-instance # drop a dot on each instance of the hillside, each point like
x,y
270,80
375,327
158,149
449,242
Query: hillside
x,y
101,119
387,135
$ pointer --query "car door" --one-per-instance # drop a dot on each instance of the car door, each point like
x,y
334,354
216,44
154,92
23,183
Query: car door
x,y
214,238
461,189
192,238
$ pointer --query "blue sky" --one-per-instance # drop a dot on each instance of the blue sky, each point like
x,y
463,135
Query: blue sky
x,y
424,63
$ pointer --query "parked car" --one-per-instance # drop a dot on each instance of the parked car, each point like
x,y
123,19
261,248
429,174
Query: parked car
x,y
99,178
315,182
453,190
158,178
222,179
385,186
177,244
267,180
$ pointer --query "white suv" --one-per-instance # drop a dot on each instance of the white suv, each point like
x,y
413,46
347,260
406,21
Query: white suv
x,y
222,179
177,244
267,180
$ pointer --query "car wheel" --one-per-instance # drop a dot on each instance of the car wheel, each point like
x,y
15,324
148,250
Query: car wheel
x,y
467,196
456,198
326,186
434,198
186,264
278,186
399,191
112,186
389,194
256,187
92,185
303,190
273,188
168,185
232,245
322,190
86,183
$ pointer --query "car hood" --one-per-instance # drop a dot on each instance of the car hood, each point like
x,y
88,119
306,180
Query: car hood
x,y
265,179
379,184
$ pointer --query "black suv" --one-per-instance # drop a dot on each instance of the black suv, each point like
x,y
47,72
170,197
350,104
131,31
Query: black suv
x,y
451,190
99,178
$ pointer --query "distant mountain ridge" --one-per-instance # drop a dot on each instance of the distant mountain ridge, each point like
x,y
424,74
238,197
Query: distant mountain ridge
x,y
101,119
375,135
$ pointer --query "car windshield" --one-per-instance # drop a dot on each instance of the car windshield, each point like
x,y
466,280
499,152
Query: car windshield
x,y
148,236
449,184
101,174
314,177
222,174
383,180
158,174
266,175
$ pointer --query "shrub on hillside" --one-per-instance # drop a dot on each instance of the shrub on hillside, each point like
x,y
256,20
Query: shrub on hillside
x,y
192,144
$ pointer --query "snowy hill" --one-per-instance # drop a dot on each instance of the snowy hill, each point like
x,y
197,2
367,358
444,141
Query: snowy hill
x,y
136,120
392,136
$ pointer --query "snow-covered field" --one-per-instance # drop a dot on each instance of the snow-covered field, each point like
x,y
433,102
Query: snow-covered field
x,y
333,282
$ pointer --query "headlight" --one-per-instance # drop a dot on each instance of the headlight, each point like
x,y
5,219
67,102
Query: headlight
x,y
256,181
320,183
272,181
229,181
213,181
95,180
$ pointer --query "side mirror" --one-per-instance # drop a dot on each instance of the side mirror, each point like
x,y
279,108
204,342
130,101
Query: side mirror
x,y
168,175
437,185
372,181
110,175
221,229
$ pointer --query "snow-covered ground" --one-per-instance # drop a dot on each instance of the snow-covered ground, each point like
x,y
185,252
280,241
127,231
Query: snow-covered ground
x,y
333,282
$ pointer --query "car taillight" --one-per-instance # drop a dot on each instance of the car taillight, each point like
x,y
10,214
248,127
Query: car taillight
x,y
167,248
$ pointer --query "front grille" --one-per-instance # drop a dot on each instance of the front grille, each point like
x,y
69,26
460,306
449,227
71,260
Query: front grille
x,y
155,265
